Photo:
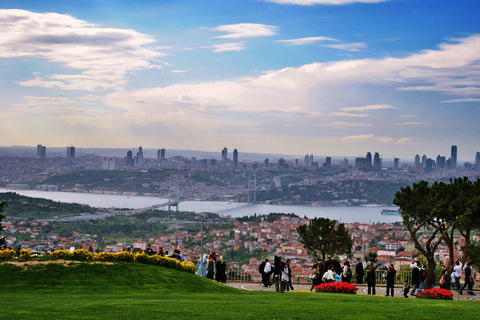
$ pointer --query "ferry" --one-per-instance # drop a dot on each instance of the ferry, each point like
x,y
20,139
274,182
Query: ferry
x,y
390,212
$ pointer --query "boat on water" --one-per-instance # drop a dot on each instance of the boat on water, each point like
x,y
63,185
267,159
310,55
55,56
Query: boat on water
x,y
390,212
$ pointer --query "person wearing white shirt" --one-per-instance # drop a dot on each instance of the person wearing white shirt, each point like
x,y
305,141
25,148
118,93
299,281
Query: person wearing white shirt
x,y
457,269
267,271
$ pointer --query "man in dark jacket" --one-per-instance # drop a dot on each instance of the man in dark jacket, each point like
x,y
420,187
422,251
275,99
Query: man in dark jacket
x,y
415,278
359,271
391,272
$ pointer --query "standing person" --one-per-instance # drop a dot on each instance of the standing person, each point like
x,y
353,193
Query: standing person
x,y
315,276
267,272
288,284
371,280
347,272
277,272
261,270
202,266
359,271
211,268
406,288
329,276
468,279
284,278
422,277
415,278
457,270
321,271
221,268
447,279
391,272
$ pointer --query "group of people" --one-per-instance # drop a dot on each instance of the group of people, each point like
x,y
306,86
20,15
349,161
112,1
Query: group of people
x,y
282,274
332,271
212,267
149,251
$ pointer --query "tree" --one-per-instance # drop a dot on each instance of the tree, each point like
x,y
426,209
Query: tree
x,y
371,259
418,205
2,204
323,236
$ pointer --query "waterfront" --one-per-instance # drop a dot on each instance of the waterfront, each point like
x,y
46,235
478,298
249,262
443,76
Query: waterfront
x,y
366,214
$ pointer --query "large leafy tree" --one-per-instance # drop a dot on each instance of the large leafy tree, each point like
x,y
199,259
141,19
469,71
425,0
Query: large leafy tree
x,y
422,218
2,204
323,236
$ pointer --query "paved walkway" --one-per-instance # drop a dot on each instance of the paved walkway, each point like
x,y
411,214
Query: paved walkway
x,y
381,290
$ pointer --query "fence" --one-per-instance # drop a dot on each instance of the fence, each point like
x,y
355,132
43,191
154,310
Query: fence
x,y
236,274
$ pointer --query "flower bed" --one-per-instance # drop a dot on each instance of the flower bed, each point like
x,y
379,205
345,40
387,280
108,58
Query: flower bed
x,y
436,293
84,255
337,287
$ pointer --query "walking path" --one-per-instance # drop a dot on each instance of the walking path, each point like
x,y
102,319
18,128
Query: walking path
x,y
381,290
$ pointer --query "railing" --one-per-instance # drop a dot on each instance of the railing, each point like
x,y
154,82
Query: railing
x,y
236,274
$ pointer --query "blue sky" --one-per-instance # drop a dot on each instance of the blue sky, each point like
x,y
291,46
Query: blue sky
x,y
323,77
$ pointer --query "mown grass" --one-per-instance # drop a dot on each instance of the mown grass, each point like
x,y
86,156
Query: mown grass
x,y
135,291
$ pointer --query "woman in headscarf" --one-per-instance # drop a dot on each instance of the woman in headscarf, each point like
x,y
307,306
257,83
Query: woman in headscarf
x,y
202,266
220,276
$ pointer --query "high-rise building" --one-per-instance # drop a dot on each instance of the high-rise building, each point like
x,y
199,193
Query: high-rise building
x,y
224,154
70,152
454,157
161,155
140,159
235,157
328,162
265,163
43,152
108,163
396,162
39,150
424,161
441,162
377,162
368,160
429,165
129,162
417,159
305,161
477,160
310,160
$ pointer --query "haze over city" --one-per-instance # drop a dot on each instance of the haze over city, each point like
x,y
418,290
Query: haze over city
x,y
328,77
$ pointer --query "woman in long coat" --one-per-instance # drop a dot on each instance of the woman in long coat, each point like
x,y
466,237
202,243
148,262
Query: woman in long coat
x,y
220,276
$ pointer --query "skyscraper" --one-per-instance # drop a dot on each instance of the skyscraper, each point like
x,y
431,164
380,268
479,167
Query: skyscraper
x,y
70,152
129,162
440,162
39,150
235,157
140,159
43,152
454,157
369,160
225,154
377,162
395,163
477,160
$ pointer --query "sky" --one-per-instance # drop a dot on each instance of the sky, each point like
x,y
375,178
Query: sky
x,y
322,77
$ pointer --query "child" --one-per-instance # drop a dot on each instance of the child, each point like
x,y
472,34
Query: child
x,y
406,288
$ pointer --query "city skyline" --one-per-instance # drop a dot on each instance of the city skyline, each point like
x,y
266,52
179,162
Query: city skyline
x,y
333,78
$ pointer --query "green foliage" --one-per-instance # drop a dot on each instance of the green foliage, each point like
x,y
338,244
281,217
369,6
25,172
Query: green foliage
x,y
2,205
271,217
37,208
323,236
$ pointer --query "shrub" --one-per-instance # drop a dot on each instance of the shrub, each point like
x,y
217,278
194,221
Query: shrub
x,y
7,254
82,255
24,255
60,254
337,287
436,293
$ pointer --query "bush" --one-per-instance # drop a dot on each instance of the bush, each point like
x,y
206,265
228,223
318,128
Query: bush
x,y
7,254
436,293
337,287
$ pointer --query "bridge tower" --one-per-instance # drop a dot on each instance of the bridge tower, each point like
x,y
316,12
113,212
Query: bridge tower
x,y
252,186
173,199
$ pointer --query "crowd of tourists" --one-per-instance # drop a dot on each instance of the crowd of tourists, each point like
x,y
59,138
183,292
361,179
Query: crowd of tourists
x,y
212,267
332,271
281,271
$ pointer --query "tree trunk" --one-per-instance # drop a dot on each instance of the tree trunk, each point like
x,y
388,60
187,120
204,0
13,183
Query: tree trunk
x,y
430,273
466,249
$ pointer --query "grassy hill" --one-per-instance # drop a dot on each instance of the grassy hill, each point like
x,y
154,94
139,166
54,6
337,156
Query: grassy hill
x,y
136,291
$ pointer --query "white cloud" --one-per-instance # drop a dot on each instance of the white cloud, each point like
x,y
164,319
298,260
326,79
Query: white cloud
x,y
246,30
461,100
328,2
369,107
346,114
307,40
357,46
106,55
411,124
230,46
350,124
176,71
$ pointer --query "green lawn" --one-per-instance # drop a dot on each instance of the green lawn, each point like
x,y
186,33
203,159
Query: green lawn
x,y
135,291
